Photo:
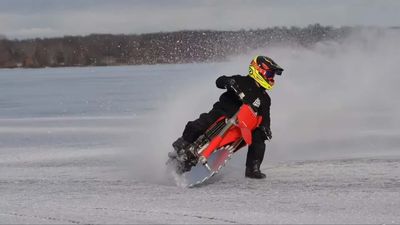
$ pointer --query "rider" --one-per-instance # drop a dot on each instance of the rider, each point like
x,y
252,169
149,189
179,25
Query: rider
x,y
262,70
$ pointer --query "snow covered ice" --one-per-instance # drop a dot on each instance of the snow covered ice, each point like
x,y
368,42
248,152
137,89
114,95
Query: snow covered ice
x,y
88,145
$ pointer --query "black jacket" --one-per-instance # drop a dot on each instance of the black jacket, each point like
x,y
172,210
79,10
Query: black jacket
x,y
229,102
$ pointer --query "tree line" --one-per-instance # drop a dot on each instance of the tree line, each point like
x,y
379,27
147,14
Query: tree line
x,y
154,48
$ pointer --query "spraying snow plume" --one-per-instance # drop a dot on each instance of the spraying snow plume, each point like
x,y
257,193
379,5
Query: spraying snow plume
x,y
334,100
338,99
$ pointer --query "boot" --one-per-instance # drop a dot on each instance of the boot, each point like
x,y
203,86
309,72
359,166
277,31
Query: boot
x,y
254,172
180,144
182,150
184,154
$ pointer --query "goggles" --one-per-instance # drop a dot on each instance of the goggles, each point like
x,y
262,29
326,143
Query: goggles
x,y
266,73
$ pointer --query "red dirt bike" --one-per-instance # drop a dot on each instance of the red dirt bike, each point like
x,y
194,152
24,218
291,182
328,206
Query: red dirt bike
x,y
209,153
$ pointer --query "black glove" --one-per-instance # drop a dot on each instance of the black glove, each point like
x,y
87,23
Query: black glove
x,y
266,132
232,85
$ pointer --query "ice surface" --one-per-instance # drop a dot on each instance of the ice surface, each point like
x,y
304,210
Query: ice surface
x,y
94,190
88,145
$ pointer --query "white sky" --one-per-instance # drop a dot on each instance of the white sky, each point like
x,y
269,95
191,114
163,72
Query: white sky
x,y
48,18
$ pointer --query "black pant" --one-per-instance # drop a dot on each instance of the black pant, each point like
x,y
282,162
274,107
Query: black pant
x,y
197,127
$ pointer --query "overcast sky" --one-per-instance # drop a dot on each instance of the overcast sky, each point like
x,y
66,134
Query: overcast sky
x,y
48,18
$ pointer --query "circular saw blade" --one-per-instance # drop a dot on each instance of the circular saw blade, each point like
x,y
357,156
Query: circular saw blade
x,y
200,173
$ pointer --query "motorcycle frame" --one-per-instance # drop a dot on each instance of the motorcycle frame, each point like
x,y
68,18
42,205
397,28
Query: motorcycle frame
x,y
239,127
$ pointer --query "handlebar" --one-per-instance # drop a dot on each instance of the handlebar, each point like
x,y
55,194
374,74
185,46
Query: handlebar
x,y
241,95
235,88
238,92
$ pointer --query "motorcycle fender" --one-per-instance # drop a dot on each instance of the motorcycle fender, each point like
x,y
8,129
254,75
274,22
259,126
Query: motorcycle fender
x,y
232,135
246,134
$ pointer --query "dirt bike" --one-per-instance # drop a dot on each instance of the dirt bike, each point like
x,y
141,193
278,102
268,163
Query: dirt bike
x,y
209,153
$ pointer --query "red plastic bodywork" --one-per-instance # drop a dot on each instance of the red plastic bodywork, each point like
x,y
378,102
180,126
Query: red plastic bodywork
x,y
246,122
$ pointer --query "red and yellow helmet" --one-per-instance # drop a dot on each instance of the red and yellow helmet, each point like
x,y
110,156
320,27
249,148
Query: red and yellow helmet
x,y
263,69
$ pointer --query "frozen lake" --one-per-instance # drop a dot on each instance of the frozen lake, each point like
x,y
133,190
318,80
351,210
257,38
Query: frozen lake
x,y
88,145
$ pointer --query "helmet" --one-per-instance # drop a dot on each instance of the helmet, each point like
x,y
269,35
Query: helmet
x,y
263,69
